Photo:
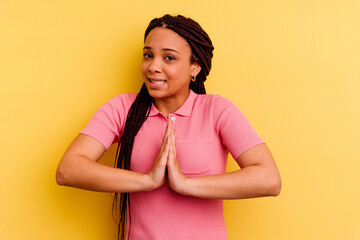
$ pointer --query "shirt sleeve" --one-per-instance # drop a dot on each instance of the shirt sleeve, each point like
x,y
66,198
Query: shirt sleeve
x,y
106,125
236,133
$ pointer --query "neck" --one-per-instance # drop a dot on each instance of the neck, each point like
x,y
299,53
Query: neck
x,y
169,105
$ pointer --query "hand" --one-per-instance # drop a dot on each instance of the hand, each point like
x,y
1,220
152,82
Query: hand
x,y
176,179
157,175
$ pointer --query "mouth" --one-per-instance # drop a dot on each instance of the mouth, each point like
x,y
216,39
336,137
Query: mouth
x,y
156,81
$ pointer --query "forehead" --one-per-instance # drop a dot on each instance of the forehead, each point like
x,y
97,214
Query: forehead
x,y
162,38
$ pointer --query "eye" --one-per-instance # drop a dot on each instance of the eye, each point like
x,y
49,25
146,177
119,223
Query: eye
x,y
169,58
147,55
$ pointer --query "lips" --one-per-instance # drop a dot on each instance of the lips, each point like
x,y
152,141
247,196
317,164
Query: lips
x,y
157,82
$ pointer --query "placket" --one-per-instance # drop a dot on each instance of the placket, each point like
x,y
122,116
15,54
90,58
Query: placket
x,y
172,116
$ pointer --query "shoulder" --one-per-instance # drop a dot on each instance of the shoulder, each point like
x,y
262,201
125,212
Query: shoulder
x,y
107,124
125,99
222,110
215,101
117,106
121,102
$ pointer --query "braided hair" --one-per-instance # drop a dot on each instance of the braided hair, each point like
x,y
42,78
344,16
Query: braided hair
x,y
202,48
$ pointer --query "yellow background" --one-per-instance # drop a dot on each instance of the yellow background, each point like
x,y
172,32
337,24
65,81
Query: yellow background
x,y
293,67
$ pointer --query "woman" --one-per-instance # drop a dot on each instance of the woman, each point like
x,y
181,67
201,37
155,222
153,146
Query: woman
x,y
177,138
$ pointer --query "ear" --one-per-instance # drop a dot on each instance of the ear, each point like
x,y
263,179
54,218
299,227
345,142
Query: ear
x,y
195,69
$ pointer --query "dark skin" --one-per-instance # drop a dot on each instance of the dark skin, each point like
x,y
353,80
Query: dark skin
x,y
167,72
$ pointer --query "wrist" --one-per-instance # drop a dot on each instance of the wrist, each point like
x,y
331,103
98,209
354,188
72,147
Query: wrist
x,y
148,183
186,187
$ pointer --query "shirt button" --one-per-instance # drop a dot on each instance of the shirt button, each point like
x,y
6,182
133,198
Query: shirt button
x,y
173,119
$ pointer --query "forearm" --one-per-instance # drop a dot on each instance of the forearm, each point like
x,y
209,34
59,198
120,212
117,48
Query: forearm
x,y
90,175
249,182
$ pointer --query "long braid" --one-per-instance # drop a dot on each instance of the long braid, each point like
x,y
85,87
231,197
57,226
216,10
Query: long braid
x,y
138,113
202,48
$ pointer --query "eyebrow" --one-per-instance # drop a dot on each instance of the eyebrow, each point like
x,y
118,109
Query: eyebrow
x,y
164,49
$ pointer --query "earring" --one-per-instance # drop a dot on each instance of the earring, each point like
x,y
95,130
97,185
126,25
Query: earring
x,y
193,78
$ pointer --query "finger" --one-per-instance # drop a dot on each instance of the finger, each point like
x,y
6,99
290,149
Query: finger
x,y
172,153
166,151
168,128
171,156
174,134
173,163
173,140
166,134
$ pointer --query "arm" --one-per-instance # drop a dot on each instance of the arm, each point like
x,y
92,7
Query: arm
x,y
257,177
79,168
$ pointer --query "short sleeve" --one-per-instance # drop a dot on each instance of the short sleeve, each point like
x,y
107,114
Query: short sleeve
x,y
236,133
106,125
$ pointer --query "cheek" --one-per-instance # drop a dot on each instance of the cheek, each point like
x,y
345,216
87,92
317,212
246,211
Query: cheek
x,y
179,72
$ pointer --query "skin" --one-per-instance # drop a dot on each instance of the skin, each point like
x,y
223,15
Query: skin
x,y
167,58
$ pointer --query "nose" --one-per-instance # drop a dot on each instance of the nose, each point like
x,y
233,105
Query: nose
x,y
155,66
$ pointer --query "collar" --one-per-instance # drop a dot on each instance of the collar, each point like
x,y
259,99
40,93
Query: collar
x,y
184,110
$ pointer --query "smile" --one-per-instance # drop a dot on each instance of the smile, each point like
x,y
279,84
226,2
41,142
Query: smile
x,y
157,82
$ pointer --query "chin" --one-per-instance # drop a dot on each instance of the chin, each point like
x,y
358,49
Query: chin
x,y
155,93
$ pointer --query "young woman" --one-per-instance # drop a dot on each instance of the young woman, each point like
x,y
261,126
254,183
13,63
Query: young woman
x,y
174,140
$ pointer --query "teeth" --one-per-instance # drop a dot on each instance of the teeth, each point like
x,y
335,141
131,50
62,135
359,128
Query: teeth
x,y
158,82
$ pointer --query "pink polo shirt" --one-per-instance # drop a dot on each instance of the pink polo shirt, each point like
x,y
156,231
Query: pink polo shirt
x,y
208,127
